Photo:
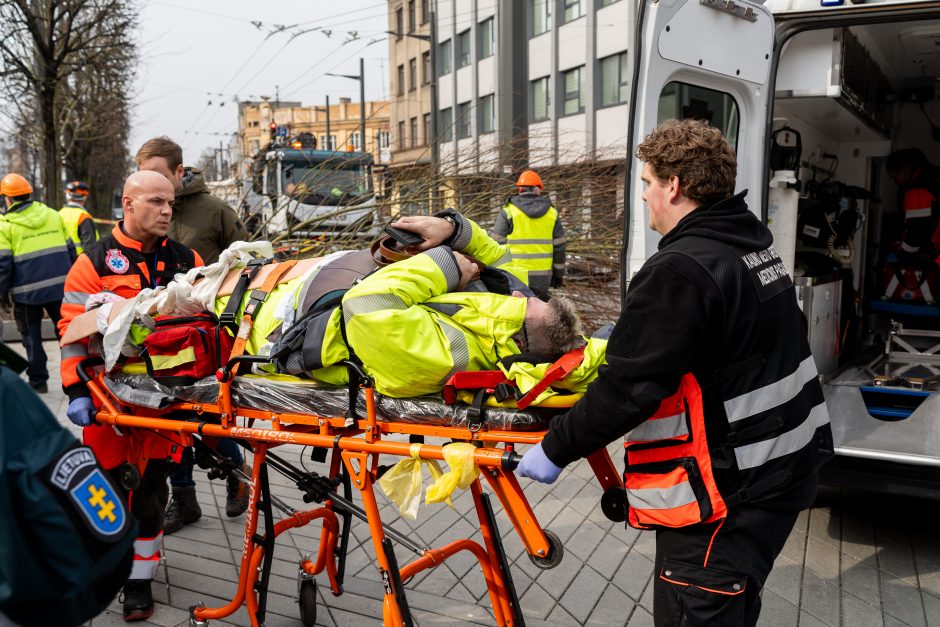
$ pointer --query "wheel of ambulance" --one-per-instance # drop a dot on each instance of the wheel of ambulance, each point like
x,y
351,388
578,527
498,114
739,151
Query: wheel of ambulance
x,y
555,552
308,602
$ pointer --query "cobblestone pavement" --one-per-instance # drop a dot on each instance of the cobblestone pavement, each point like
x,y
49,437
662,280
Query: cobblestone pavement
x,y
856,559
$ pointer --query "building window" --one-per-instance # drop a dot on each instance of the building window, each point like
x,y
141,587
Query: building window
x,y
425,11
425,67
412,74
411,16
573,10
463,120
463,49
414,132
541,16
604,3
328,142
401,80
487,122
444,58
427,128
485,38
401,135
399,23
356,141
383,139
445,130
540,99
614,79
573,81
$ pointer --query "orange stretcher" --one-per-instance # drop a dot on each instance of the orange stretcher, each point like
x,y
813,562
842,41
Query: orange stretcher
x,y
354,444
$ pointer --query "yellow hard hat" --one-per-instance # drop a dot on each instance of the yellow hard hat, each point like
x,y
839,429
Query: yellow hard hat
x,y
14,185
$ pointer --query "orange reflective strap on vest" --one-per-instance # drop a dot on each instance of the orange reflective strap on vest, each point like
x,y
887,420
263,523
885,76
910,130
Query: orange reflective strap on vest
x,y
668,476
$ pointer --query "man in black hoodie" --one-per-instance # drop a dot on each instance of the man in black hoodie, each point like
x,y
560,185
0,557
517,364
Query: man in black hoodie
x,y
710,378
532,227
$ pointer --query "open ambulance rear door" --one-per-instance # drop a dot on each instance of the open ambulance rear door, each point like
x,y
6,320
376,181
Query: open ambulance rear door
x,y
708,59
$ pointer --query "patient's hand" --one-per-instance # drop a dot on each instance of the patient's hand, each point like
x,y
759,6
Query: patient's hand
x,y
469,269
435,231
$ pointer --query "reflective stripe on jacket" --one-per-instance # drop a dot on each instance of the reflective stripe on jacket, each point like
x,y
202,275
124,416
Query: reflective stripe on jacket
x,y
35,253
668,477
531,239
80,226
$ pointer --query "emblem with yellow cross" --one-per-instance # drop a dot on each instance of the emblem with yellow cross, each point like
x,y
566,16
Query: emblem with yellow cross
x,y
100,504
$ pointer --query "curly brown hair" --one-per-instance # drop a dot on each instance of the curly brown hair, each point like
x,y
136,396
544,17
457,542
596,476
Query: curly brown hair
x,y
696,153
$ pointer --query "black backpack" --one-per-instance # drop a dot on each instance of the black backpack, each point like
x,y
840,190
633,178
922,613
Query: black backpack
x,y
66,535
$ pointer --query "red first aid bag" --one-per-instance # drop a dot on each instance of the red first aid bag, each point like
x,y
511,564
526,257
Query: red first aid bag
x,y
183,349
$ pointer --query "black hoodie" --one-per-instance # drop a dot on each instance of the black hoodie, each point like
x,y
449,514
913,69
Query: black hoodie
x,y
676,319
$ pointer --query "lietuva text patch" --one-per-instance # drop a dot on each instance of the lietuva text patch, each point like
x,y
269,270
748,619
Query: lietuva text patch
x,y
768,272
89,492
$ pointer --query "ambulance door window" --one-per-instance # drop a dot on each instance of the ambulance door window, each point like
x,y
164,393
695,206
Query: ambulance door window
x,y
681,100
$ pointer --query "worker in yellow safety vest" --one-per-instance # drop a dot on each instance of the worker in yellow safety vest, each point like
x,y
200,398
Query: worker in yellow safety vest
x,y
35,256
78,222
532,228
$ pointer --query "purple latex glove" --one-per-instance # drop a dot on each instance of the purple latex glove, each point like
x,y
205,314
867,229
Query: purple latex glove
x,y
536,465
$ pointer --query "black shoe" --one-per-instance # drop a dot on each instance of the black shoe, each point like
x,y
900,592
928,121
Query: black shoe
x,y
236,494
138,600
182,510
40,388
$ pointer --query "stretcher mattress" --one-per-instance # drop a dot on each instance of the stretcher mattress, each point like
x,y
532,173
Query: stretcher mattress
x,y
301,396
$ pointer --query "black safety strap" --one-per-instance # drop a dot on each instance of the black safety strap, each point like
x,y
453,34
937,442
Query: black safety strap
x,y
476,416
758,488
227,319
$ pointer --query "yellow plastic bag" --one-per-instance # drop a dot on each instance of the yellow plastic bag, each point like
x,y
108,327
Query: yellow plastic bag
x,y
402,483
463,472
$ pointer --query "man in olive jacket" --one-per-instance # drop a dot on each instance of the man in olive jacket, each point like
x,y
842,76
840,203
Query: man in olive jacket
x,y
200,220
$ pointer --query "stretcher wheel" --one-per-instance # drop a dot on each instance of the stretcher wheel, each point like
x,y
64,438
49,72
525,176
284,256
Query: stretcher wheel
x,y
308,602
555,552
129,477
614,504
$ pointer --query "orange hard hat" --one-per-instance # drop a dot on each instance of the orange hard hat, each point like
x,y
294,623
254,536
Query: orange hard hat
x,y
530,178
14,185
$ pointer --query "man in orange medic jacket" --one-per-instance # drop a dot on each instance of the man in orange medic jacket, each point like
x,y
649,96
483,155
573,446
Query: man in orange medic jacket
x,y
710,379
135,256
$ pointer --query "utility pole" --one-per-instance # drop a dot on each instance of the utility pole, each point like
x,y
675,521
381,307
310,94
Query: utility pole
x,y
218,170
435,147
329,138
362,105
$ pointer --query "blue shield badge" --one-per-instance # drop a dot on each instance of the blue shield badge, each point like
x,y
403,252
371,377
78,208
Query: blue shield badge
x,y
100,504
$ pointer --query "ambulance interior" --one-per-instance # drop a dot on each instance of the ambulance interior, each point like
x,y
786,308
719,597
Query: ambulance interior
x,y
845,98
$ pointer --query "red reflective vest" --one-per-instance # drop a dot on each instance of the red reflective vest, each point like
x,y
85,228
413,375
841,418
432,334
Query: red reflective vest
x,y
668,475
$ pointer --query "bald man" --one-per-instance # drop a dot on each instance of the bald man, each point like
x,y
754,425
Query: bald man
x,y
136,255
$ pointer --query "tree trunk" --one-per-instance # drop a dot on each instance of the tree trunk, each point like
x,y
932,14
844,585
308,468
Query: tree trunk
x,y
51,174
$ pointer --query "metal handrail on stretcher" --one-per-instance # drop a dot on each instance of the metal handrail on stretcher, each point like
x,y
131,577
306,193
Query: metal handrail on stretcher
x,y
359,443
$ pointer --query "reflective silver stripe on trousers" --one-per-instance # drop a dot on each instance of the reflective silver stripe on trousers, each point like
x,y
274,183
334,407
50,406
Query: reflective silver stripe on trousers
x,y
533,273
75,298
659,429
923,212
661,498
459,352
144,568
753,455
148,547
41,252
531,241
773,395
369,304
73,350
38,285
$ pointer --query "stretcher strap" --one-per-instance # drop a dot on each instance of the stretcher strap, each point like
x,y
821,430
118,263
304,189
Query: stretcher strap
x,y
256,299
556,372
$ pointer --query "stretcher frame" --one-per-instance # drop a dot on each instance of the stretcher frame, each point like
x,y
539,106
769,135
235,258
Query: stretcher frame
x,y
359,442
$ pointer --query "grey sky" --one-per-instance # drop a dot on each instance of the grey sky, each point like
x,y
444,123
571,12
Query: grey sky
x,y
198,57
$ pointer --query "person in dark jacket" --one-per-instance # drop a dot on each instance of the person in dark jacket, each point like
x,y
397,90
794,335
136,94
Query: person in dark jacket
x,y
713,311
207,225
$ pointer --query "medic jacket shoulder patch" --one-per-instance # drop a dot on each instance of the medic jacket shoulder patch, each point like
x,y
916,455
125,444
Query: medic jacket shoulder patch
x,y
89,493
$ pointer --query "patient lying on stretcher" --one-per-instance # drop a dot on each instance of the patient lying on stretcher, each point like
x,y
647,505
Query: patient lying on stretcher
x,y
415,322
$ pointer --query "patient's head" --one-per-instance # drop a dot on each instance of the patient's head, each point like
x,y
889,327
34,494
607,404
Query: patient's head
x,y
551,328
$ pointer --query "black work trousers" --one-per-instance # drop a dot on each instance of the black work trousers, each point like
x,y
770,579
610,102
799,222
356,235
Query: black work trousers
x,y
29,324
712,574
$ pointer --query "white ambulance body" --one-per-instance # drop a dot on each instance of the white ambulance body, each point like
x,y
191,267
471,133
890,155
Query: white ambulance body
x,y
852,83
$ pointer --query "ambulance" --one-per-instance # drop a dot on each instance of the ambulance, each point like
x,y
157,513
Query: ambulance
x,y
815,95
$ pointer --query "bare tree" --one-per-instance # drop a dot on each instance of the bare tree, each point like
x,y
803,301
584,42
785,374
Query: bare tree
x,y
45,47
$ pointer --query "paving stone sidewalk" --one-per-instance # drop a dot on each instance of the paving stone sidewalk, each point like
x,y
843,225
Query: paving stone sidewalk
x,y
856,559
